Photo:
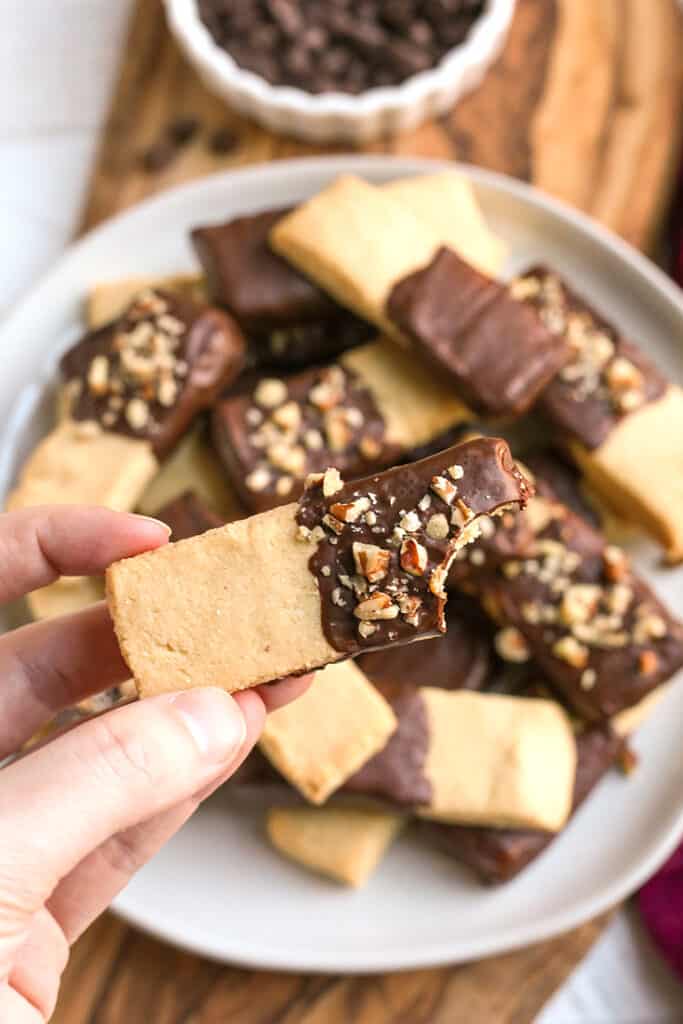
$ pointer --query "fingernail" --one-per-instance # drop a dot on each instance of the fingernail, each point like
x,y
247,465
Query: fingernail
x,y
157,522
214,721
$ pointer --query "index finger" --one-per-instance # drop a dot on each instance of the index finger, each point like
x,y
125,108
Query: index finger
x,y
37,545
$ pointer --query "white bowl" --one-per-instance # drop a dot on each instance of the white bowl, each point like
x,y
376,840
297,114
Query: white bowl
x,y
337,116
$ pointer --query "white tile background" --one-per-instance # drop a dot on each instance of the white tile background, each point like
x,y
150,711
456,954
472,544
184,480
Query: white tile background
x,y
57,61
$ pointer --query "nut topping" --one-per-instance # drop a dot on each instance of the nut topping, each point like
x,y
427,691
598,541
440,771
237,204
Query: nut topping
x,y
616,563
98,375
410,522
371,561
648,663
258,480
332,482
511,645
378,606
270,392
568,649
351,511
413,557
444,489
437,527
579,603
287,416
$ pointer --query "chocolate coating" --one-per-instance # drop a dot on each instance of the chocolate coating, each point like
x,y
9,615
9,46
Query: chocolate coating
x,y
294,346
604,656
498,854
343,432
497,352
396,774
203,352
463,659
410,521
188,516
258,287
581,402
511,535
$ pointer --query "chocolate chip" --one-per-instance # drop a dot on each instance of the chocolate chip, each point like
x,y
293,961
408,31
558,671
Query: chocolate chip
x,y
339,45
159,156
223,141
182,130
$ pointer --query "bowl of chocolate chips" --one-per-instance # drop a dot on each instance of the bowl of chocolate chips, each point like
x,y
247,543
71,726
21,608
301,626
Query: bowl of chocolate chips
x,y
340,70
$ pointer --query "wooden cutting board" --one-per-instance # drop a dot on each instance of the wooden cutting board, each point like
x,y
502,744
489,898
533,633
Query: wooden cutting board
x,y
586,102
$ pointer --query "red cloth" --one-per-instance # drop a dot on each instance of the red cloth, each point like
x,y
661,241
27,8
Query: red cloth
x,y
661,907
661,899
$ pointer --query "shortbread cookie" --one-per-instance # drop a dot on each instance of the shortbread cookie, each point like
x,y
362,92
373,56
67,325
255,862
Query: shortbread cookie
x,y
133,389
193,466
358,415
638,469
608,377
446,202
147,374
344,843
620,419
356,241
79,463
495,349
498,760
574,604
109,299
323,737
496,855
353,567
68,594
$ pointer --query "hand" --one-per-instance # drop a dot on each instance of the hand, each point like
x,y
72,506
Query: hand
x,y
82,813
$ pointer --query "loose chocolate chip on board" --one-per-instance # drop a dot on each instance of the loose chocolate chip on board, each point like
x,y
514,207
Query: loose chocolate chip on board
x,y
224,141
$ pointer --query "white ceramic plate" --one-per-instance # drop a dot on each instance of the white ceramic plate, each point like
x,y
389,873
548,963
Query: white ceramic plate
x,y
217,888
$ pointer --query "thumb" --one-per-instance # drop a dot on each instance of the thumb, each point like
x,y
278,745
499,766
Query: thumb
x,y
65,799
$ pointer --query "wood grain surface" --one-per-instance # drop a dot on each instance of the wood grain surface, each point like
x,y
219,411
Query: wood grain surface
x,y
118,976
586,103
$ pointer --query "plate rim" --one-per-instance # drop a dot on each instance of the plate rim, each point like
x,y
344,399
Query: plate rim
x,y
433,953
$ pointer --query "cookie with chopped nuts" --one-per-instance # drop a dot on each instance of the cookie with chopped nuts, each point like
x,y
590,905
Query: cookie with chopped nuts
x,y
497,352
607,376
508,537
358,414
615,412
324,737
344,843
417,515
149,372
496,855
262,598
601,636
271,438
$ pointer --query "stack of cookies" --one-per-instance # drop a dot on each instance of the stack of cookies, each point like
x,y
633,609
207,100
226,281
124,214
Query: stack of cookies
x,y
322,417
